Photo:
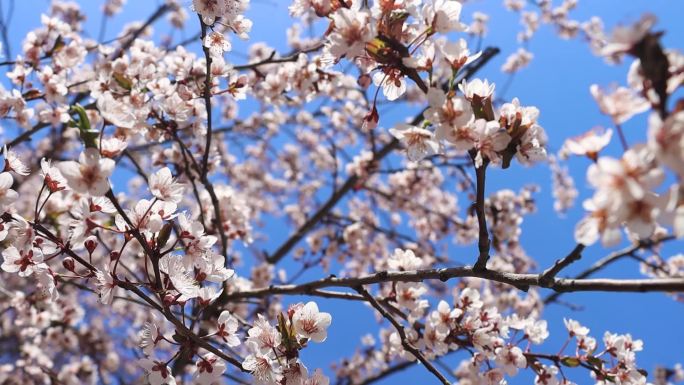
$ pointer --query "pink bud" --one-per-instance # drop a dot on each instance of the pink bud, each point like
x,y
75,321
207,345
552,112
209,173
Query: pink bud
x,y
364,81
370,121
90,245
169,300
69,264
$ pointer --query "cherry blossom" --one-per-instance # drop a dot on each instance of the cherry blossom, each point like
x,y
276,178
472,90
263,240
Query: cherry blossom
x,y
217,43
477,87
575,328
511,359
598,224
310,323
588,144
404,260
263,337
24,262
115,111
419,142
157,372
163,186
90,174
7,195
457,54
392,82
620,104
13,163
227,328
105,285
241,182
443,16
209,369
666,140
263,368
350,34
624,37
318,378
517,61
149,335
490,139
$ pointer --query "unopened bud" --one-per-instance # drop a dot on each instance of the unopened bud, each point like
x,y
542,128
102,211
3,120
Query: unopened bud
x,y
164,234
364,81
169,300
90,245
69,264
370,121
293,309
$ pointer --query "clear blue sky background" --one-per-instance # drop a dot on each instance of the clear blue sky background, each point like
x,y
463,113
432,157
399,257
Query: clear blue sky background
x,y
557,82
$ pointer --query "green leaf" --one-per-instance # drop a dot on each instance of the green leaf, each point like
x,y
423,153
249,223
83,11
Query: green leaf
x,y
595,361
123,81
59,44
571,362
88,136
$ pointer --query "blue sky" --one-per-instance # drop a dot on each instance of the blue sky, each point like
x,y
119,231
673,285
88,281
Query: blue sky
x,y
557,82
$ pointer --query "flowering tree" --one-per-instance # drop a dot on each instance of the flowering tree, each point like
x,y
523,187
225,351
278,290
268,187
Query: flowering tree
x,y
133,190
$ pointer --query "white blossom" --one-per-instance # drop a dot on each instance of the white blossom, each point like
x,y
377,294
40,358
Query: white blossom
x,y
310,323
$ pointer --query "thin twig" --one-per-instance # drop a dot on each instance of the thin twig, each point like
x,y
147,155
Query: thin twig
x,y
273,60
387,372
560,264
609,260
402,334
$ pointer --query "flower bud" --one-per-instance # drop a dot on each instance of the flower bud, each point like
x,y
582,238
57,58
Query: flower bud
x,y
164,234
90,245
169,300
370,121
364,81
69,264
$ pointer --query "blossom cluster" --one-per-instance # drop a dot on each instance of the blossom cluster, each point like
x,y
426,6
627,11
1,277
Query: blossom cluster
x,y
139,195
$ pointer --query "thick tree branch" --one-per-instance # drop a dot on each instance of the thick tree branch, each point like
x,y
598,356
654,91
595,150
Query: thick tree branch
x,y
207,99
520,281
483,238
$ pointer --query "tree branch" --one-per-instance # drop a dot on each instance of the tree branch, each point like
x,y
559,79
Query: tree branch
x,y
483,239
560,264
520,281
161,11
273,60
609,260
387,372
348,185
207,98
